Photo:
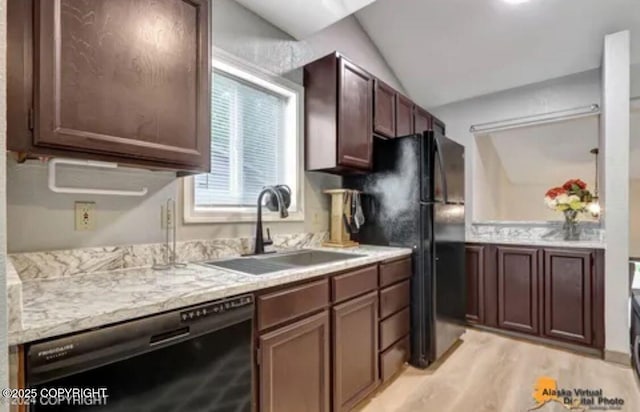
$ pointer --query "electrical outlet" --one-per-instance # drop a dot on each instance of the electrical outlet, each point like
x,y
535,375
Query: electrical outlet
x,y
85,216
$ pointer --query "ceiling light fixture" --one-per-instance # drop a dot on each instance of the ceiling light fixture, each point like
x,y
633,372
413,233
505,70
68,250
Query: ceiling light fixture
x,y
594,207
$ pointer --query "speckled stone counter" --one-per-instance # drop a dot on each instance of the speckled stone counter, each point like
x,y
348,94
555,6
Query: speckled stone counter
x,y
549,243
14,297
57,306
72,262
535,233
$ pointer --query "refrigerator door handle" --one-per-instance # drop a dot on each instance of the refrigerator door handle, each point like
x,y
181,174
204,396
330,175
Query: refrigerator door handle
x,y
443,176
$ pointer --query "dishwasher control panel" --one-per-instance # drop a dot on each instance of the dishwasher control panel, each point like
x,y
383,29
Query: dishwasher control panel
x,y
215,308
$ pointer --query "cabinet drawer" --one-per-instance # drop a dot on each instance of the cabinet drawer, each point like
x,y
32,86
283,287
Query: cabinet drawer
x,y
284,305
392,359
354,283
395,271
393,328
394,298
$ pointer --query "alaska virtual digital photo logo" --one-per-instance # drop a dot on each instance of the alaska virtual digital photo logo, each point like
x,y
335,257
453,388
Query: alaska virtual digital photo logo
x,y
545,391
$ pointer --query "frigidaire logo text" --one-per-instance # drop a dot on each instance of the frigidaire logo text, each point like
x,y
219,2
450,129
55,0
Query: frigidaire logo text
x,y
55,351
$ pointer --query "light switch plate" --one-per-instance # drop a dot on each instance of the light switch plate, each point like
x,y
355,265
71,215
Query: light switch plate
x,y
85,216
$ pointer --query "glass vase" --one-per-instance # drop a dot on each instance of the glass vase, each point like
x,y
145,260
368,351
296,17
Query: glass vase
x,y
571,229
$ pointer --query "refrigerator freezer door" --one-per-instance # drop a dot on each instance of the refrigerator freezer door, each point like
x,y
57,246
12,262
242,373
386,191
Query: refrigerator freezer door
x,y
449,276
434,176
433,183
452,157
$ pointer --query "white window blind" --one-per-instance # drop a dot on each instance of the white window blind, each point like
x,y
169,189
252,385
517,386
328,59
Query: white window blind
x,y
248,145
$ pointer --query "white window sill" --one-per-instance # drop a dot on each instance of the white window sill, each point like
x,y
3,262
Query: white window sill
x,y
207,216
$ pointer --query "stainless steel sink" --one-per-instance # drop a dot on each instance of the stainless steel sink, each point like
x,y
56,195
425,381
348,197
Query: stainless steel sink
x,y
308,257
262,264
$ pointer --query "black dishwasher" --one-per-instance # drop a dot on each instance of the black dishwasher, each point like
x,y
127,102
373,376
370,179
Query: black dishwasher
x,y
196,359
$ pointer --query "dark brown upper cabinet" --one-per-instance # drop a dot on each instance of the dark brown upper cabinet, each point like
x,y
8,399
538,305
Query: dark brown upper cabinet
x,y
474,257
338,116
384,114
404,116
568,289
119,80
518,289
422,120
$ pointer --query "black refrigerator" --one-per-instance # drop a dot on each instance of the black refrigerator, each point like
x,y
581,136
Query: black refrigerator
x,y
415,198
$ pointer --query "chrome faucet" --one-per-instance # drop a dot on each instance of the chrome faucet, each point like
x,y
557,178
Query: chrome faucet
x,y
280,198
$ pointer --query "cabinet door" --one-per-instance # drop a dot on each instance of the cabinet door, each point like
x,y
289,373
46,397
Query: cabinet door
x,y
475,283
355,122
568,287
355,356
404,116
422,120
129,78
294,367
384,117
518,289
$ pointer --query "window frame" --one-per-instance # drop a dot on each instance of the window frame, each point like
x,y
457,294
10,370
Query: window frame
x,y
254,75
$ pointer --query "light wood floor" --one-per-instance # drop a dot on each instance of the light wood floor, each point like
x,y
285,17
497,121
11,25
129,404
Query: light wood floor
x,y
491,373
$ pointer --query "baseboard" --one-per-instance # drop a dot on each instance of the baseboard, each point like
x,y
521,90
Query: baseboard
x,y
620,358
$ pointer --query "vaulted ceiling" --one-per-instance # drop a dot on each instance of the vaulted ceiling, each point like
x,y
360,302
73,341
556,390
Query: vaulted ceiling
x,y
444,51
301,18
448,50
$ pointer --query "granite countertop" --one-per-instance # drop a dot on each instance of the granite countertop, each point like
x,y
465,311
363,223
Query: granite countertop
x,y
549,233
587,244
53,307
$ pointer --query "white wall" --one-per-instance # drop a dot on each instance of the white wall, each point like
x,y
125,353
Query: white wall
x,y
635,80
4,356
508,201
42,220
580,89
634,218
491,180
615,147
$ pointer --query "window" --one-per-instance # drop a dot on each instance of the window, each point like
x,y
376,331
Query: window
x,y
255,142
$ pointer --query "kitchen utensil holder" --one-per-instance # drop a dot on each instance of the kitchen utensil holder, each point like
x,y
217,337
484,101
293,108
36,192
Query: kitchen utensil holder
x,y
338,235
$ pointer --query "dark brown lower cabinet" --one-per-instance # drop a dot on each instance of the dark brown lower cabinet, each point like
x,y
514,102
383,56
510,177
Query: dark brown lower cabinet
x,y
294,367
518,289
474,256
355,356
321,344
393,358
554,293
568,291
